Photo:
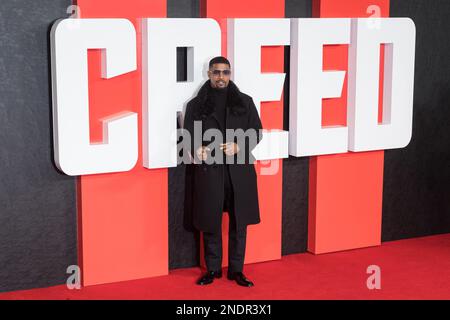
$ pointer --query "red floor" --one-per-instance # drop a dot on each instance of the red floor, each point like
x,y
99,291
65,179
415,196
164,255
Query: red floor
x,y
416,268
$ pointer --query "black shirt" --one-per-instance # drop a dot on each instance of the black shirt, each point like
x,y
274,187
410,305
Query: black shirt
x,y
220,102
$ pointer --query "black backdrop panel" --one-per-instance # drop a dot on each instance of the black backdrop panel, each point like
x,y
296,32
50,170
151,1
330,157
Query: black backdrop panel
x,y
416,195
184,243
295,170
37,203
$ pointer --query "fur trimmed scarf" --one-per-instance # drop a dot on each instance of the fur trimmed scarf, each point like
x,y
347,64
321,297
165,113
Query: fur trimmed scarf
x,y
206,102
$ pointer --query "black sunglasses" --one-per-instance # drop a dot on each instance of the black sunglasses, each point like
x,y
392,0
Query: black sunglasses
x,y
225,72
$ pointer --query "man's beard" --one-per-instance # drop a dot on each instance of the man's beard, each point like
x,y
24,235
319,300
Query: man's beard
x,y
221,88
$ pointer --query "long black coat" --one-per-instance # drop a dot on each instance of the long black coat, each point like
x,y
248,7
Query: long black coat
x,y
205,182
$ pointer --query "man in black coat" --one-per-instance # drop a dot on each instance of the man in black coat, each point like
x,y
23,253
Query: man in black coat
x,y
223,173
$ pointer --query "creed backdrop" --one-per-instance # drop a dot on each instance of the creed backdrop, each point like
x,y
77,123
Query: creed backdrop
x,y
38,231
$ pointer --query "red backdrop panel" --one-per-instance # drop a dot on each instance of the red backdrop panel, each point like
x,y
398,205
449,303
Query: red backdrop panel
x,y
345,190
264,239
123,217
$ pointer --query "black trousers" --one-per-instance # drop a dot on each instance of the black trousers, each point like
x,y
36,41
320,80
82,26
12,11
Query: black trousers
x,y
236,236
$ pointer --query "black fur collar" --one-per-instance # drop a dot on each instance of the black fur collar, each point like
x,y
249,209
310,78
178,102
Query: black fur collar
x,y
206,105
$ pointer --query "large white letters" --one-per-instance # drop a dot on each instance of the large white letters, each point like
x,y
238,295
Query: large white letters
x,y
164,98
309,85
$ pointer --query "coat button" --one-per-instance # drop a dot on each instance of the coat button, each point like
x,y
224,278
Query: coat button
x,y
204,169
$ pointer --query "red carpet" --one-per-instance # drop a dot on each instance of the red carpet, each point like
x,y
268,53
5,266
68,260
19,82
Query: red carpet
x,y
416,268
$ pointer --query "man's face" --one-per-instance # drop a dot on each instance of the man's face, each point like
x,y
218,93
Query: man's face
x,y
219,74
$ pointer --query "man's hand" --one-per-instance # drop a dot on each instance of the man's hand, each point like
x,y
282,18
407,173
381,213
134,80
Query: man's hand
x,y
230,148
202,152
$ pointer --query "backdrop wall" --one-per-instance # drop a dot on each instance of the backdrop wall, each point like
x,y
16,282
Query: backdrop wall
x,y
38,232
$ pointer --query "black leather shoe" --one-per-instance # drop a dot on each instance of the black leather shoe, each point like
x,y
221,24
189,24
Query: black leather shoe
x,y
208,277
240,279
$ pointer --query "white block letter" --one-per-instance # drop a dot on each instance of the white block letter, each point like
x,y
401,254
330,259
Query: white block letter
x,y
310,84
70,40
245,39
364,69
163,96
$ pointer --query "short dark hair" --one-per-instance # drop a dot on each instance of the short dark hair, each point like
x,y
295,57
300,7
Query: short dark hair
x,y
219,59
